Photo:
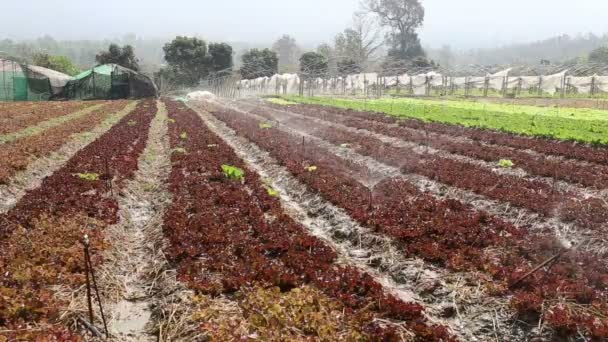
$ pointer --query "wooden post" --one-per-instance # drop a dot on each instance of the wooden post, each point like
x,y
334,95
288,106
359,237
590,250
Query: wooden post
x,y
486,86
398,88
88,281
92,271
411,86
519,85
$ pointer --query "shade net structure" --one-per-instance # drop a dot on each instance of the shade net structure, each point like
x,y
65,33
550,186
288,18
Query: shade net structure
x,y
500,84
24,82
108,82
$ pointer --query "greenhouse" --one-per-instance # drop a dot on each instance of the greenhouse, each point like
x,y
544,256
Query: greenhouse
x,y
23,82
109,81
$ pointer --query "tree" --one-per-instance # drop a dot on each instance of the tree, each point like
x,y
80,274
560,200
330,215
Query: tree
x,y
259,63
287,50
329,53
57,63
360,42
313,65
326,50
402,17
219,59
124,56
347,67
188,59
599,55
414,65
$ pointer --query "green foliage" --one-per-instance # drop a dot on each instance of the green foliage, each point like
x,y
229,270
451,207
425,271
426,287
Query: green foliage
x,y
265,125
219,59
58,63
183,136
506,163
124,56
271,192
233,172
348,66
88,176
259,63
269,189
578,124
401,18
599,55
190,60
280,101
311,168
288,51
313,65
187,59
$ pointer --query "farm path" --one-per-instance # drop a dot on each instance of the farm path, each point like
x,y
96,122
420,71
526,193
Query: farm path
x,y
568,233
373,253
136,259
37,170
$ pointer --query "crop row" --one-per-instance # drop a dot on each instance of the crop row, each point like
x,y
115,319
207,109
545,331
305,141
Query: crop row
x,y
571,171
15,156
452,235
573,124
17,117
567,149
591,213
40,237
227,235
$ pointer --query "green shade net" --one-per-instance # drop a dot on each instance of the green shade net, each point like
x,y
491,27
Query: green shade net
x,y
19,82
91,84
13,82
109,81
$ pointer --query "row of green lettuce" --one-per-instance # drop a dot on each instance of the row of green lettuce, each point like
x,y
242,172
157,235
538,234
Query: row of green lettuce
x,y
578,124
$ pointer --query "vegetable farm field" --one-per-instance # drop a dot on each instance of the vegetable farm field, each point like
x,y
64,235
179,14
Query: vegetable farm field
x,y
576,124
302,219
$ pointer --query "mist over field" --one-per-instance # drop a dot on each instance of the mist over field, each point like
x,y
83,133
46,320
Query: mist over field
x,y
461,24
453,33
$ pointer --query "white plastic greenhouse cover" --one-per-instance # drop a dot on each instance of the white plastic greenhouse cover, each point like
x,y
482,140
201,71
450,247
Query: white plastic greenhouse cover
x,y
552,83
421,83
57,79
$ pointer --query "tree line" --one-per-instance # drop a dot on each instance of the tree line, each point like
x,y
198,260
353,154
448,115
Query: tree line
x,y
383,36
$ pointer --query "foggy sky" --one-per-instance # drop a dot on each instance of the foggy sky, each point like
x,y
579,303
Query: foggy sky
x,y
459,23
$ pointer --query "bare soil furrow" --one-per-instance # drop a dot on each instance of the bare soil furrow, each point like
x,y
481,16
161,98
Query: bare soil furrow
x,y
137,262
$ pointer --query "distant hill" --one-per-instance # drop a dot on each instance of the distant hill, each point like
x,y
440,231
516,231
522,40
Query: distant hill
x,y
557,50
